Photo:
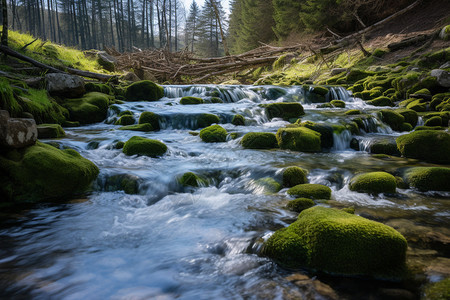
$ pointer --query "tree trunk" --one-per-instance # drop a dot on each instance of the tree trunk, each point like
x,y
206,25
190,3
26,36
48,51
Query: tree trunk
x,y
4,38
224,41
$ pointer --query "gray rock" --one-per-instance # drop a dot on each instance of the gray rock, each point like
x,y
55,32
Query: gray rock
x,y
106,61
65,85
130,76
336,71
442,76
445,66
16,133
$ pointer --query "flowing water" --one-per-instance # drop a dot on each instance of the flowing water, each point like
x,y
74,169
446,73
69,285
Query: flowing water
x,y
169,241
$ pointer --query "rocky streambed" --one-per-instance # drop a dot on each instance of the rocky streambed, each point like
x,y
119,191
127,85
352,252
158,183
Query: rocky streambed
x,y
192,186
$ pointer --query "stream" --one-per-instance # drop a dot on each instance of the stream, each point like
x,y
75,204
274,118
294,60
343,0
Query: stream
x,y
174,242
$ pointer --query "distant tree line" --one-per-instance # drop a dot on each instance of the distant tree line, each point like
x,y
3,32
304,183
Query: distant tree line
x,y
253,22
124,24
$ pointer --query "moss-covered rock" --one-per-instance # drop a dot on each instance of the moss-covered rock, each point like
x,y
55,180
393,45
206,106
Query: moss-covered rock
x,y
434,121
439,290
336,242
418,128
428,178
417,105
213,134
144,90
146,127
428,145
42,172
142,146
300,204
284,110
191,179
91,108
259,140
410,116
352,112
238,120
299,139
188,100
150,118
355,74
380,101
268,185
337,103
325,130
373,183
125,120
293,176
124,112
392,118
308,190
98,87
320,90
50,131
123,182
384,146
205,120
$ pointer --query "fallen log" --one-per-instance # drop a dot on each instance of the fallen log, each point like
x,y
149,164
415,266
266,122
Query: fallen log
x,y
408,42
11,52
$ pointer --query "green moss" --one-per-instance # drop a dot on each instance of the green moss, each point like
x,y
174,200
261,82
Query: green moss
x,y
43,108
392,118
191,179
284,110
439,290
215,100
349,210
238,120
205,120
417,105
91,108
373,183
144,91
356,74
188,100
259,140
410,116
268,184
125,120
326,132
49,131
353,112
445,117
143,146
419,128
98,87
119,145
434,121
41,172
338,103
428,145
50,51
422,92
380,101
125,182
146,127
126,112
313,191
299,139
405,103
300,204
293,176
428,178
384,146
150,118
213,134
320,90
336,242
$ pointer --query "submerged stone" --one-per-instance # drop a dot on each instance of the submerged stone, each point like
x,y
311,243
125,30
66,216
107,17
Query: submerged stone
x,y
42,172
259,140
373,183
336,242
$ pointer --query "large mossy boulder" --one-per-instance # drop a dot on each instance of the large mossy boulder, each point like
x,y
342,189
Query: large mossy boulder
x,y
394,119
429,145
325,130
188,100
42,172
50,131
144,90
150,118
380,101
213,134
336,242
259,140
312,191
293,176
428,178
299,139
91,108
284,110
410,116
373,183
142,146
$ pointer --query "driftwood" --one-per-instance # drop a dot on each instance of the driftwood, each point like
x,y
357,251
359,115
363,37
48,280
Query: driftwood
x,y
11,52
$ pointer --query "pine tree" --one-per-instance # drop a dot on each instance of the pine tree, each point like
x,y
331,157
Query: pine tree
x,y
286,16
192,25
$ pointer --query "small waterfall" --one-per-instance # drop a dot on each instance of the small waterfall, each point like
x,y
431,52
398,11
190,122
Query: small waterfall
x,y
341,141
420,121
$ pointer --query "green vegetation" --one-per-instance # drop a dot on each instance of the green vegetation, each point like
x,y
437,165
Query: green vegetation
x,y
439,290
205,120
293,176
143,146
298,139
191,100
336,242
428,145
150,118
428,178
259,140
300,204
66,173
49,131
90,108
238,120
268,184
125,120
373,183
213,134
313,191
144,90
284,110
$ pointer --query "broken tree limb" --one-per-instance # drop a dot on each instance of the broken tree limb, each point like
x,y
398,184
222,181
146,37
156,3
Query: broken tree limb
x,y
11,52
